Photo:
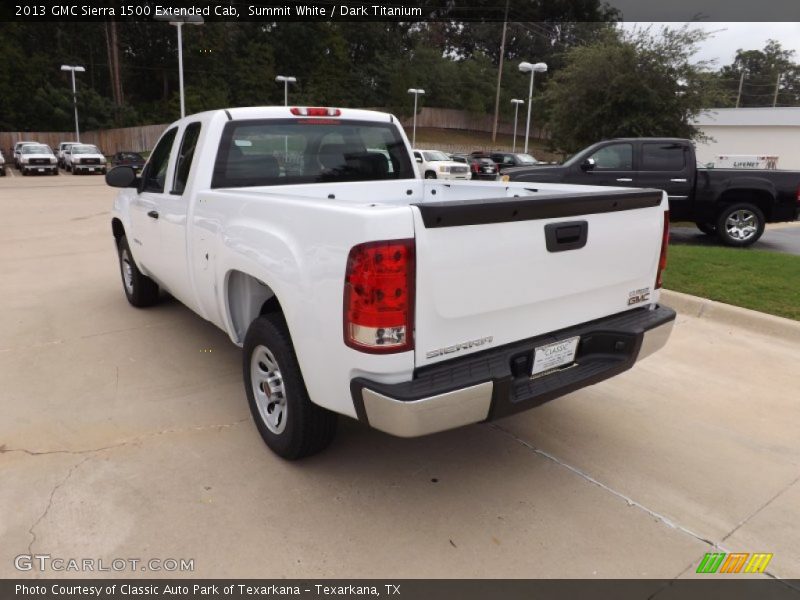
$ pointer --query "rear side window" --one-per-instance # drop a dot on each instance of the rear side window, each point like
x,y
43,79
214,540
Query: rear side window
x,y
293,151
155,174
663,157
185,157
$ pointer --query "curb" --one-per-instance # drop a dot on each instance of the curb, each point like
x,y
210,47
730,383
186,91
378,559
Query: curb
x,y
758,322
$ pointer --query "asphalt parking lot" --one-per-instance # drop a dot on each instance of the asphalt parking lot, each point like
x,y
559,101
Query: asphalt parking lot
x,y
125,434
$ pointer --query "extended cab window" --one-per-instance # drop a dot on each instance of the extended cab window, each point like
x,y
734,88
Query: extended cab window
x,y
291,151
185,156
663,157
155,174
615,157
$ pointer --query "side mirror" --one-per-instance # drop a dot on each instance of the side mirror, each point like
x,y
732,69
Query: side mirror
x,y
419,160
588,165
122,177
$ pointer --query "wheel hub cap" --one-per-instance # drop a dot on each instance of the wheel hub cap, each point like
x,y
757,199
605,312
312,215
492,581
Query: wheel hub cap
x,y
268,389
741,225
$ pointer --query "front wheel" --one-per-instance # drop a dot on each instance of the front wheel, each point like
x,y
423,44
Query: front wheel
x,y
291,425
430,175
139,289
740,225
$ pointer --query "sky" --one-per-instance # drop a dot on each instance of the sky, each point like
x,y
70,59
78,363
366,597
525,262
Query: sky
x,y
729,37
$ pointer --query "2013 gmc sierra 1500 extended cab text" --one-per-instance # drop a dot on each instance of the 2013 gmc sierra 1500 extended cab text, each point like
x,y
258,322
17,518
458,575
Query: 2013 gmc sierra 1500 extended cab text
x,y
357,287
733,204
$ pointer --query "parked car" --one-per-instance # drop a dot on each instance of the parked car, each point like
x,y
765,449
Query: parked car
x,y
37,158
433,164
84,158
2,164
505,160
483,168
17,147
62,146
733,204
414,306
130,159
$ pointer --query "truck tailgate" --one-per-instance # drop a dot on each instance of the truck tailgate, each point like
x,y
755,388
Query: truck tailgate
x,y
494,271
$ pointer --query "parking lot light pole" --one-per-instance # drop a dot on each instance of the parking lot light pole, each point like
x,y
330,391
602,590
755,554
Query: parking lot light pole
x,y
416,92
72,69
516,104
179,22
286,80
526,67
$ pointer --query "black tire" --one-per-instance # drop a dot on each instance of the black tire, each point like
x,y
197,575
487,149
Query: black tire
x,y
707,228
430,175
751,224
301,428
23,171
140,290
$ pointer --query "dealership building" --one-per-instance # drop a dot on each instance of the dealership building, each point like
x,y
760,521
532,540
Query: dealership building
x,y
751,132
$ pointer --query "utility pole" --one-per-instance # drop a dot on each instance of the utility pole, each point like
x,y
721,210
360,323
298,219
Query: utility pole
x,y
739,95
500,75
777,87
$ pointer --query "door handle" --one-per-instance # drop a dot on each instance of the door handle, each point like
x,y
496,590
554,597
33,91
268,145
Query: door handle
x,y
153,214
625,179
678,180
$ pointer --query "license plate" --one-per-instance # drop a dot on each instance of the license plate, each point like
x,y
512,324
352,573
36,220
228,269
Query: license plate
x,y
41,170
552,356
91,169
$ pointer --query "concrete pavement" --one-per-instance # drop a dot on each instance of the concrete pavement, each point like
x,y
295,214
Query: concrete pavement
x,y
125,434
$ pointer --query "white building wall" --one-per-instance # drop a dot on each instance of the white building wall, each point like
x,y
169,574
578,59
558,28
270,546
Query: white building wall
x,y
780,141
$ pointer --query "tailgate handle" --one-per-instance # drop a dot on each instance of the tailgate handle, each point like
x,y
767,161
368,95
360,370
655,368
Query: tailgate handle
x,y
566,236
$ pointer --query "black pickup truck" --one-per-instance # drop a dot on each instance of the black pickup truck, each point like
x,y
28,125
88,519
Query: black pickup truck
x,y
733,204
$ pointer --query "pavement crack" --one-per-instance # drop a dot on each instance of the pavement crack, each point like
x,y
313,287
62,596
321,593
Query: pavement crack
x,y
630,501
4,449
656,515
58,486
741,523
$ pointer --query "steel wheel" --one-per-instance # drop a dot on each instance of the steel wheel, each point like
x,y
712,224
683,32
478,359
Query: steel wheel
x,y
127,271
741,225
270,394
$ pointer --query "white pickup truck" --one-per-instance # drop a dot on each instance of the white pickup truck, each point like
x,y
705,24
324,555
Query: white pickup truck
x,y
356,287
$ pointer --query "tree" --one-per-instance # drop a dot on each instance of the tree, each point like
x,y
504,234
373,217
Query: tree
x,y
636,84
764,71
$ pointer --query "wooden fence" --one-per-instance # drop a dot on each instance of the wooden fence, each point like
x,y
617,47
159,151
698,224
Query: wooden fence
x,y
140,139
110,141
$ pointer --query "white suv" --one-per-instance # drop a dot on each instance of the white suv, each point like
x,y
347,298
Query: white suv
x,y
433,164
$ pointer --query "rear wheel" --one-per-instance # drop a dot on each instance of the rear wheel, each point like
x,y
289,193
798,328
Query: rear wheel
x,y
289,422
139,289
707,228
740,224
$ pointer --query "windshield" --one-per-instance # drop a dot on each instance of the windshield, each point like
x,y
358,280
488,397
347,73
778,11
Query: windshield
x,y
435,156
38,149
526,159
288,151
84,149
130,156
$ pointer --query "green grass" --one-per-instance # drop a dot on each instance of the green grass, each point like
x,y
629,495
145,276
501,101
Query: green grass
x,y
765,281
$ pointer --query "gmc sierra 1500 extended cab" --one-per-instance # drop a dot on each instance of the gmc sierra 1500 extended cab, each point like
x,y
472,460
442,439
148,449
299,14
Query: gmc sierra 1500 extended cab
x,y
357,287
733,204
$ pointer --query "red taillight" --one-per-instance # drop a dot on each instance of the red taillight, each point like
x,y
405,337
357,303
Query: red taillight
x,y
474,167
797,198
379,297
315,111
662,259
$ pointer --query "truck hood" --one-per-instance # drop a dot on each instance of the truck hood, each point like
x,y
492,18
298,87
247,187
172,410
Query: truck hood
x,y
100,156
26,157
